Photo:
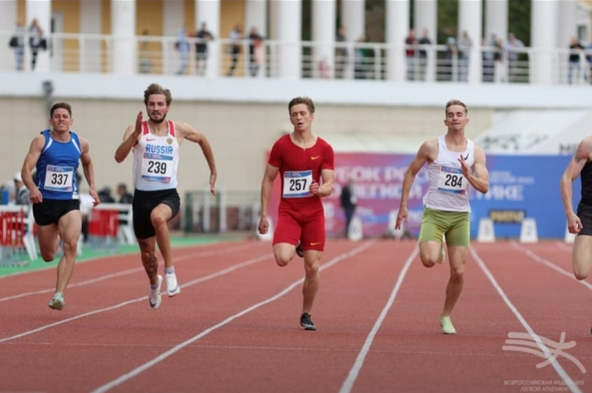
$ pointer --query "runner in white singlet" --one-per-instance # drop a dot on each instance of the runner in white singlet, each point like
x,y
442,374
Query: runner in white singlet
x,y
454,163
155,144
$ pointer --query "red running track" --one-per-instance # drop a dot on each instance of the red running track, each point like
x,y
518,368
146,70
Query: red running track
x,y
235,326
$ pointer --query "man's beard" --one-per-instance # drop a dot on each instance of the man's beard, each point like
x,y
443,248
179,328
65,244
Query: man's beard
x,y
157,121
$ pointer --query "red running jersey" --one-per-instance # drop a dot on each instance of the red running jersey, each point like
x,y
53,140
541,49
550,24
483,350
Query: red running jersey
x,y
298,169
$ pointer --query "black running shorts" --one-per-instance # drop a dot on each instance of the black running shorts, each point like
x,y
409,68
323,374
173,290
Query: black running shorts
x,y
51,210
143,204
585,215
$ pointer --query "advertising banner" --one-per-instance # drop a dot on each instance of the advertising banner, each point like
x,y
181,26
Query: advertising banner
x,y
520,187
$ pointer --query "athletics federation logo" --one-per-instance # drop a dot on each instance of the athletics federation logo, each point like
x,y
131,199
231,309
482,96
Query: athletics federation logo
x,y
524,342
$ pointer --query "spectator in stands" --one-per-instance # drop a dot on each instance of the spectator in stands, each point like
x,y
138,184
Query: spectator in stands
x,y
203,36
105,195
424,43
348,202
156,200
56,205
489,58
575,51
22,192
341,53
124,196
451,56
361,58
182,45
453,164
512,47
36,41
411,43
235,47
465,45
255,45
17,43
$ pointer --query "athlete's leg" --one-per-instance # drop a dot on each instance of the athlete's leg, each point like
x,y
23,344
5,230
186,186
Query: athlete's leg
x,y
70,226
285,238
48,238
149,260
582,256
458,238
457,257
159,217
312,261
433,226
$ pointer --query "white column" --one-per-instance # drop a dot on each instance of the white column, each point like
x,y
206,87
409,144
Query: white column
x,y
353,18
496,18
543,40
425,18
323,36
90,48
173,20
256,16
566,23
397,28
566,30
469,19
209,11
7,23
123,31
289,25
40,10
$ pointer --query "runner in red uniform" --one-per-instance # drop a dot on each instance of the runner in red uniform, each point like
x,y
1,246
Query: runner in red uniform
x,y
302,159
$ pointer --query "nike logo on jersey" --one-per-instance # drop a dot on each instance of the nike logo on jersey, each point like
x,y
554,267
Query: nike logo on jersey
x,y
150,139
314,157
467,157
315,244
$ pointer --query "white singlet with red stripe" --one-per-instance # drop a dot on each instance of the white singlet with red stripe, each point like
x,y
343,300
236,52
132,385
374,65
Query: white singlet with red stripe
x,y
449,189
156,159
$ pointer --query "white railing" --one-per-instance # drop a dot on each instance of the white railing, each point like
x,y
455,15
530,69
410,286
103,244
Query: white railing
x,y
81,53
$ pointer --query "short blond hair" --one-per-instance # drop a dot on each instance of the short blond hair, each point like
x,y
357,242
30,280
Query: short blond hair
x,y
456,102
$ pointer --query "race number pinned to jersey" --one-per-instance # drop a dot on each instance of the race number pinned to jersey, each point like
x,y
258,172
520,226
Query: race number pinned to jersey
x,y
58,178
297,184
452,180
157,167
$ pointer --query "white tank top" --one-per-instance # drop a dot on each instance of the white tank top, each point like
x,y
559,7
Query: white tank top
x,y
448,188
156,159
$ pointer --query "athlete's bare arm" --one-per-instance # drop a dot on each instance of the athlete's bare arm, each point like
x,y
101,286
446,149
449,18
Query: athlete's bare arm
x,y
130,138
30,161
326,189
582,155
427,152
479,179
89,172
269,176
185,131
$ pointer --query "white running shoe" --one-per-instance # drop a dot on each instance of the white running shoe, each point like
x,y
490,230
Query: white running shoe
x,y
154,297
57,302
173,287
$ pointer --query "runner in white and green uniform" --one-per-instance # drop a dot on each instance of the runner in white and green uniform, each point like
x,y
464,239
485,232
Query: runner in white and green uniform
x,y
454,163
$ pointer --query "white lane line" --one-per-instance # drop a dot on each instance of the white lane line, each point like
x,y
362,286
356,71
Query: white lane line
x,y
550,265
359,362
119,274
140,299
573,387
125,377
103,257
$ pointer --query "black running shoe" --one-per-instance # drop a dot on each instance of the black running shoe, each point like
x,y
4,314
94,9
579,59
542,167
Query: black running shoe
x,y
299,251
306,322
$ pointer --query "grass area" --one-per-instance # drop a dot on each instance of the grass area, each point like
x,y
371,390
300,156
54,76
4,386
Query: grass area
x,y
90,253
